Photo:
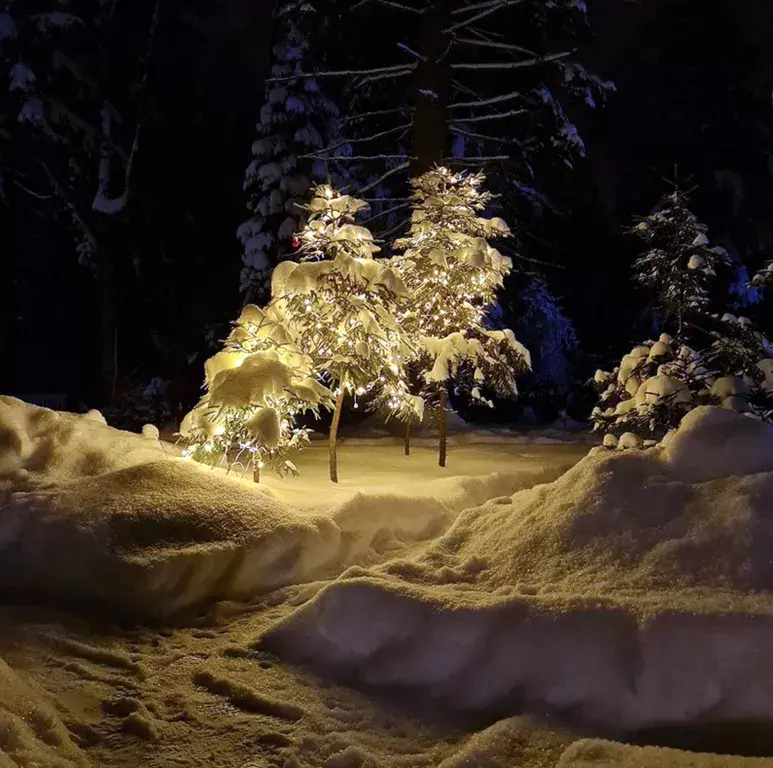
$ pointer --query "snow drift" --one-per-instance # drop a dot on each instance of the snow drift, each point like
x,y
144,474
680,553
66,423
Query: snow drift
x,y
634,590
90,514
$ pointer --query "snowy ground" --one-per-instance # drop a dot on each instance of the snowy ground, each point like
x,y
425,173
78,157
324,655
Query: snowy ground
x,y
499,613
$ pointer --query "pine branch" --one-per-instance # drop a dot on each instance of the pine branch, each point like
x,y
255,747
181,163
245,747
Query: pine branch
x,y
410,51
498,46
514,64
344,142
475,7
386,175
487,11
357,157
475,160
461,132
394,70
375,113
387,212
486,102
495,116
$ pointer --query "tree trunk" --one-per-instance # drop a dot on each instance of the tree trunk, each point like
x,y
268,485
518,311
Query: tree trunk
x,y
108,330
433,75
334,437
256,471
443,427
408,437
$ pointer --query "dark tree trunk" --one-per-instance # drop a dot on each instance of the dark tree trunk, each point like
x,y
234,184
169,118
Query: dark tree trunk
x,y
334,437
256,471
108,330
408,437
433,75
443,427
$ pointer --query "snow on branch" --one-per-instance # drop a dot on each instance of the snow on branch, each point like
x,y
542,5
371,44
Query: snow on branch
x,y
344,142
393,70
400,6
514,64
455,129
475,160
499,46
495,116
384,176
375,113
358,157
475,7
487,11
410,51
486,102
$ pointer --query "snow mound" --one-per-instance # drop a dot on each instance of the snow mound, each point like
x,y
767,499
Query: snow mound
x,y
713,443
31,732
39,447
155,538
623,593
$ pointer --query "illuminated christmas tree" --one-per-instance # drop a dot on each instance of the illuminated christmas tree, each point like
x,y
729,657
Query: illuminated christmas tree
x,y
341,305
256,386
452,275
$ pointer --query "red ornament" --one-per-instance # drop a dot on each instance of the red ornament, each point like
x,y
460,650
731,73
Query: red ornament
x,y
295,241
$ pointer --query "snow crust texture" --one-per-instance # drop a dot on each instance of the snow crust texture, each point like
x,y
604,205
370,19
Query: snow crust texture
x,y
633,591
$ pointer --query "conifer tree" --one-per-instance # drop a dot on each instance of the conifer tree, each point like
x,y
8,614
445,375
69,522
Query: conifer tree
x,y
341,305
255,388
296,121
679,261
452,275
712,358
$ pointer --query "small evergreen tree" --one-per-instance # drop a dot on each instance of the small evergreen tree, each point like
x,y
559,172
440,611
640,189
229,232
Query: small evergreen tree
x,y
452,275
713,359
296,121
679,261
342,306
255,388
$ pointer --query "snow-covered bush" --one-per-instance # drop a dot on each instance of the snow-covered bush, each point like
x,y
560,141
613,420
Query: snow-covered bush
x,y
256,386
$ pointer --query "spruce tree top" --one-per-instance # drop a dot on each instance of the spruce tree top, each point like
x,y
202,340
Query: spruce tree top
x,y
679,262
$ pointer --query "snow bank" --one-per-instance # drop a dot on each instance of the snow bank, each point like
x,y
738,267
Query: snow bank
x,y
40,447
89,514
624,593
31,731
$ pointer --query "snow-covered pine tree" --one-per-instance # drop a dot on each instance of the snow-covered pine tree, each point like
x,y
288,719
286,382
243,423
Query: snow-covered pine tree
x,y
255,388
341,305
712,359
296,121
679,261
452,275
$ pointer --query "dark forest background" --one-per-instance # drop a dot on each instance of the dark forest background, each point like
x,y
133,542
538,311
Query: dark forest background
x,y
693,81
